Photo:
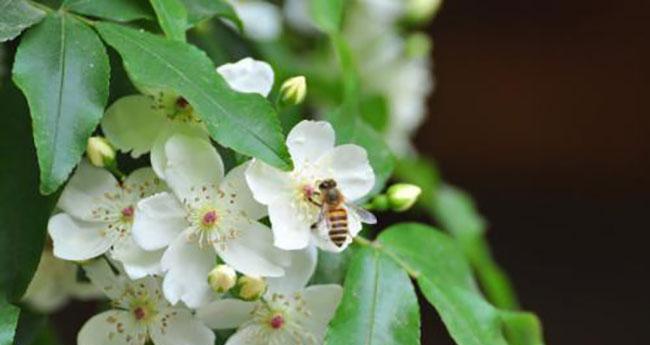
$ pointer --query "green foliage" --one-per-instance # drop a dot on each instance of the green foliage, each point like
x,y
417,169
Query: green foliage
x,y
118,10
172,18
379,304
244,122
62,68
24,212
327,14
332,267
375,112
8,320
422,173
445,278
199,10
16,16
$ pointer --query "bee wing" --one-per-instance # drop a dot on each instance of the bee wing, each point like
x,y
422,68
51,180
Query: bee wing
x,y
364,215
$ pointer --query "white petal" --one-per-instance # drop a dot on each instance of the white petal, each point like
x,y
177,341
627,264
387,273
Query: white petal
x,y
266,182
101,275
226,313
322,301
191,163
248,75
237,196
187,268
77,239
252,251
289,231
249,335
158,220
137,262
112,327
262,20
158,155
348,165
132,123
86,190
180,327
309,140
297,274
143,182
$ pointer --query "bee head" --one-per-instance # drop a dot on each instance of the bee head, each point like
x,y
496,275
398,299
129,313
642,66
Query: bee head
x,y
327,184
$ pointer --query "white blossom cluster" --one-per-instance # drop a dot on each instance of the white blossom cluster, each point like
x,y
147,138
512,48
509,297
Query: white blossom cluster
x,y
181,248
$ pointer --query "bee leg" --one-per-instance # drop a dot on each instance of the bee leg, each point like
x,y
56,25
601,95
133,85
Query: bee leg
x,y
313,201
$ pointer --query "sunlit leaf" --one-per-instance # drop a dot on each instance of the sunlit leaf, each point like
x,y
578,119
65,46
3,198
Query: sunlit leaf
x,y
172,17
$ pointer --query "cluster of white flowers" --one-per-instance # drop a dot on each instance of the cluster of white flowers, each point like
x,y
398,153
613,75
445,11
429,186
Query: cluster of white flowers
x,y
185,239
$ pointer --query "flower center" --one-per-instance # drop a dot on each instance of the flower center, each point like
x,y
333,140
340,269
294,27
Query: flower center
x,y
127,214
143,309
139,313
277,321
209,218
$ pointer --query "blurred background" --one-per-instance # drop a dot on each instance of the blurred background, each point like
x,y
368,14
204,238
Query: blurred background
x,y
542,113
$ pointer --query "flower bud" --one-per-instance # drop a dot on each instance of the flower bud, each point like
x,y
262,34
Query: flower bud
x,y
222,278
251,288
422,10
100,153
294,90
402,196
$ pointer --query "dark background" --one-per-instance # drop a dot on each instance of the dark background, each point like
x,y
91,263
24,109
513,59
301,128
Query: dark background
x,y
541,112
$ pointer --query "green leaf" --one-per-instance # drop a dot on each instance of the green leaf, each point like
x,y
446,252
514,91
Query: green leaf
x,y
446,280
62,68
16,16
30,327
375,112
24,211
327,14
246,123
118,10
456,212
332,267
8,321
199,10
379,304
172,17
522,328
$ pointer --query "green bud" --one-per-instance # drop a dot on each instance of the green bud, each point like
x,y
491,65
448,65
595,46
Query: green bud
x,y
294,90
250,287
100,153
378,203
222,278
422,10
402,196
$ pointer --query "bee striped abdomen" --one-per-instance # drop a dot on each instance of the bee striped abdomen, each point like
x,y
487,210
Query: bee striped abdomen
x,y
338,225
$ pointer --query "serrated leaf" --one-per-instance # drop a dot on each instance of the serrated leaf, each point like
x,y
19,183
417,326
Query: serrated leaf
x,y
199,10
8,321
16,16
246,123
62,68
446,280
118,10
172,17
379,304
327,14
24,211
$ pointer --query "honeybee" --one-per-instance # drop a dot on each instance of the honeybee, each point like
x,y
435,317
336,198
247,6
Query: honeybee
x,y
334,212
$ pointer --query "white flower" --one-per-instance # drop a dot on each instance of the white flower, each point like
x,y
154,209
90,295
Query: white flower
x,y
141,123
54,283
140,314
207,215
288,194
262,20
288,314
97,215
